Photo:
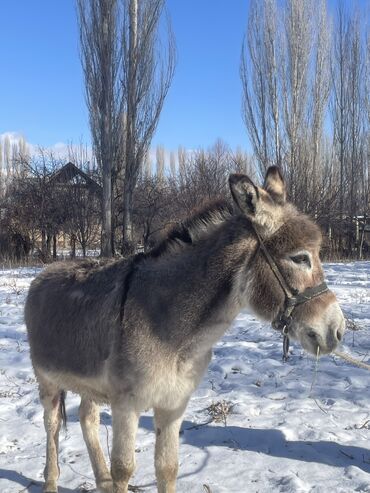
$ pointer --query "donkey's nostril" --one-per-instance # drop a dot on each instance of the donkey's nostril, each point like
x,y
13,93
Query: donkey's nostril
x,y
339,335
311,334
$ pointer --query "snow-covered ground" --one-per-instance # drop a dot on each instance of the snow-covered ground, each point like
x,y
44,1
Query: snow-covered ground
x,y
279,436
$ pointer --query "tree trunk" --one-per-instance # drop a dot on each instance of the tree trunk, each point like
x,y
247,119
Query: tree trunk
x,y
54,247
127,240
361,245
113,232
44,250
73,246
48,244
100,55
106,234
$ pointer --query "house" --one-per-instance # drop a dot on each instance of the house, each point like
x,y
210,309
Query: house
x,y
70,175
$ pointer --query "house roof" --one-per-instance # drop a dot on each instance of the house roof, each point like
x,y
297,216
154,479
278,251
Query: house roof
x,y
70,171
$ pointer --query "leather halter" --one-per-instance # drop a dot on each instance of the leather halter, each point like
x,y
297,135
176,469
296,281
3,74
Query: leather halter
x,y
293,298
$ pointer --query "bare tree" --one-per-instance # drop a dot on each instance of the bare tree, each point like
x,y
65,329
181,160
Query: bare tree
x,y
173,163
260,72
35,200
295,70
7,161
285,78
202,177
84,202
160,162
181,156
339,103
153,209
241,162
82,157
357,141
83,199
320,94
366,167
101,60
148,69
272,44
254,79
2,178
147,165
23,147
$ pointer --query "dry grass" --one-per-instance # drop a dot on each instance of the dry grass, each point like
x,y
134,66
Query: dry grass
x,y
351,324
219,411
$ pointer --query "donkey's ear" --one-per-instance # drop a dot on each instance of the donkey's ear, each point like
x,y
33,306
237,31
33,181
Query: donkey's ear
x,y
244,193
275,185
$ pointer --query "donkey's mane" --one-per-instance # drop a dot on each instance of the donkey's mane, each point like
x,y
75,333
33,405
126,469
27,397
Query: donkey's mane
x,y
194,228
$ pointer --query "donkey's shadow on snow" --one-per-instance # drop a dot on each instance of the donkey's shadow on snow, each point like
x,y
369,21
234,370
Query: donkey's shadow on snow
x,y
270,442
29,485
265,441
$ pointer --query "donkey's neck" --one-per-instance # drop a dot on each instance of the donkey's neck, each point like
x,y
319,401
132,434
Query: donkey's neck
x,y
203,285
226,280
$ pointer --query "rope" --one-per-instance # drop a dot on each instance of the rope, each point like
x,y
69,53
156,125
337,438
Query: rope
x,y
351,360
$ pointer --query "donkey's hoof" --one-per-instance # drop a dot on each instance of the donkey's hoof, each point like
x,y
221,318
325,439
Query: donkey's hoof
x,y
105,486
50,487
120,488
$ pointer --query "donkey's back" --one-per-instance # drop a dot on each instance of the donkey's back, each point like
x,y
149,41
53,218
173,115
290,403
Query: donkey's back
x,y
71,313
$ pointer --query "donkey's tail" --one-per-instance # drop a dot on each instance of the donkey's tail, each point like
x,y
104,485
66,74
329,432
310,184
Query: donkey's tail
x,y
62,404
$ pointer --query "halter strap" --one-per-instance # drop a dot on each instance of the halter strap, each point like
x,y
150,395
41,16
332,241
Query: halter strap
x,y
288,291
293,298
307,295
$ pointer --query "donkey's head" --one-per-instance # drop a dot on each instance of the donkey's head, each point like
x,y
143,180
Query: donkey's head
x,y
286,265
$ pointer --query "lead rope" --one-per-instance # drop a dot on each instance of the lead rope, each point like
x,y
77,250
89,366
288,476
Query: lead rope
x,y
351,360
285,347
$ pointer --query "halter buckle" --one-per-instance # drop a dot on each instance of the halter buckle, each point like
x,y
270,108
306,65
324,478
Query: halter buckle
x,y
283,324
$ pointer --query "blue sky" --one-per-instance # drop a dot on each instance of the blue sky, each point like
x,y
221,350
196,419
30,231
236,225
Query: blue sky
x,y
41,85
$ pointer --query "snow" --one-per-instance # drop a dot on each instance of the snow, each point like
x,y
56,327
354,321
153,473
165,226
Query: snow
x,y
280,436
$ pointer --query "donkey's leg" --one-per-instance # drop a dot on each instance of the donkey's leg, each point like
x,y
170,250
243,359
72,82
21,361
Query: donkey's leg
x,y
50,399
167,425
125,423
90,420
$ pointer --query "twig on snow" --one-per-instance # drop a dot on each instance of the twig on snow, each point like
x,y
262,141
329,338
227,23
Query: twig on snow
x,y
318,405
31,483
347,455
137,489
196,426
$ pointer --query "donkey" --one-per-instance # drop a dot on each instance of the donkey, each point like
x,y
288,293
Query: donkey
x,y
138,333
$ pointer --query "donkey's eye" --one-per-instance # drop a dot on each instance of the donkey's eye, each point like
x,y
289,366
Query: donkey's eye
x,y
301,259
